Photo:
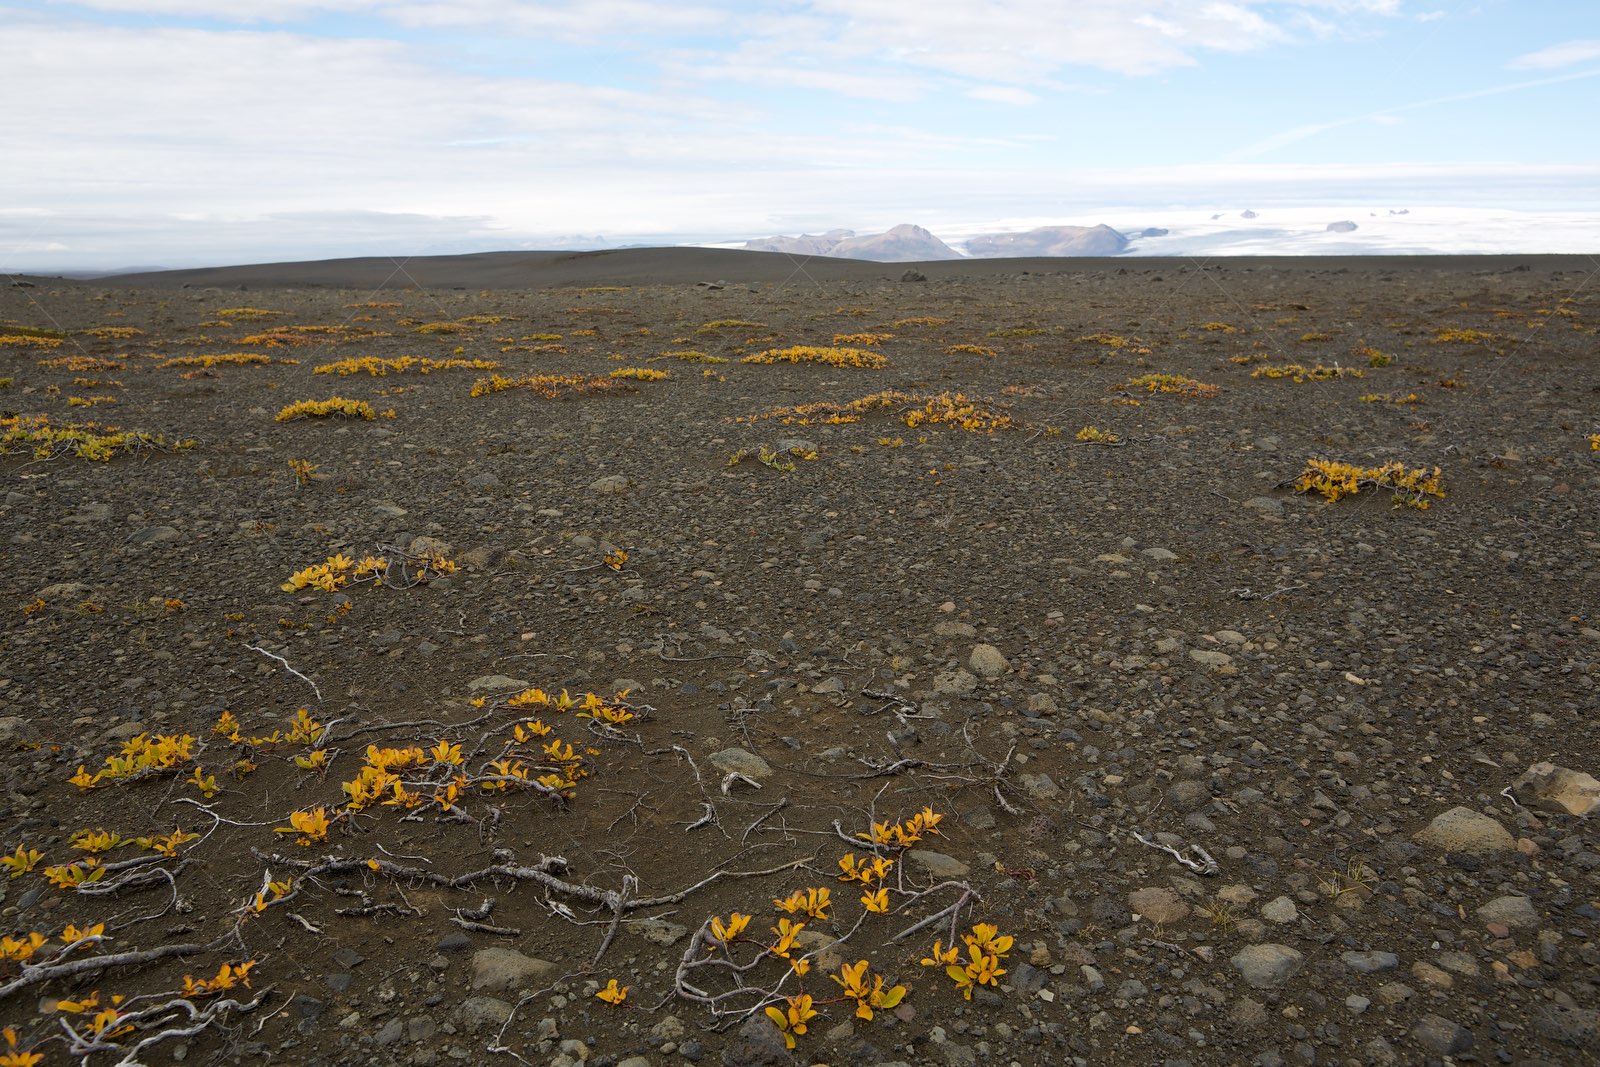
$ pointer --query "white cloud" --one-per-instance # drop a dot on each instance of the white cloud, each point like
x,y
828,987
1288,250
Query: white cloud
x,y
1557,55
1003,94
1388,115
571,18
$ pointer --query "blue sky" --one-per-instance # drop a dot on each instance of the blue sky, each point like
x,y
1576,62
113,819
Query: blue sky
x,y
187,131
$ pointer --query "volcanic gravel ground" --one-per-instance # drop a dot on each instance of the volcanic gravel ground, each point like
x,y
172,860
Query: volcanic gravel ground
x,y
1091,659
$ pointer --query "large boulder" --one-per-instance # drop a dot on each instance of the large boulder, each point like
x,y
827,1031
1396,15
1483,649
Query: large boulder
x,y
1467,831
1561,789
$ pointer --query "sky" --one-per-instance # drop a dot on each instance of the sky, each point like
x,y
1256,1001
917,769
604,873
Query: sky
x,y
192,132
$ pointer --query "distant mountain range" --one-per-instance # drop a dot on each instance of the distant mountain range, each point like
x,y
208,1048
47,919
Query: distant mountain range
x,y
1256,235
913,244
903,244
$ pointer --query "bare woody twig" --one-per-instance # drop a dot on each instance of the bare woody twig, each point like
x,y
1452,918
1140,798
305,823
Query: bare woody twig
x,y
291,670
1205,865
33,974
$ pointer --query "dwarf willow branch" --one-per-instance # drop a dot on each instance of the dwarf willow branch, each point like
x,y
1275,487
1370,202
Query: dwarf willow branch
x,y
171,1011
540,874
33,974
967,893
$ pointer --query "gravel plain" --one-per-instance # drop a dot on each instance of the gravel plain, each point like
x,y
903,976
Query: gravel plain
x,y
1248,776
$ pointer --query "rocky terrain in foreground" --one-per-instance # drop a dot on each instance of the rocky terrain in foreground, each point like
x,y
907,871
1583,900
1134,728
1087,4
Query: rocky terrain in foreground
x,y
1208,769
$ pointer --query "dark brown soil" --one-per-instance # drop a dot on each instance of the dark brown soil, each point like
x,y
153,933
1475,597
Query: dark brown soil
x,y
1179,646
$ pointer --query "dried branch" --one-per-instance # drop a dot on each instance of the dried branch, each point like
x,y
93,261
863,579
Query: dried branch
x,y
33,974
287,667
1205,865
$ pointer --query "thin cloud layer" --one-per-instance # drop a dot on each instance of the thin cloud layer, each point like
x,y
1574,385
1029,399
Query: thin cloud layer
x,y
174,128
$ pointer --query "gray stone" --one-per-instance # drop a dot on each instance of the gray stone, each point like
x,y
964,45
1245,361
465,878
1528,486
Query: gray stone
x,y
1515,912
389,1033
1576,1027
428,546
610,484
500,969
89,514
660,932
1370,962
938,864
958,682
1160,555
1208,658
1040,786
1110,912
1464,830
14,729
955,629
636,1061
1444,1036
756,1043
481,1013
1248,1014
1379,1053
1265,505
987,662
795,444
1552,788
455,941
307,1009
1267,966
1281,910
62,591
1158,905
1189,795
1027,978
155,535
497,683
741,761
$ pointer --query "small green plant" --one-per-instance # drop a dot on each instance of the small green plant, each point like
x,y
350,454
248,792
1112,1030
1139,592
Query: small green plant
x,y
379,368
690,355
1220,913
1355,878
781,461
235,359
833,357
334,405
549,386
1299,372
1450,335
1411,487
86,440
1173,383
